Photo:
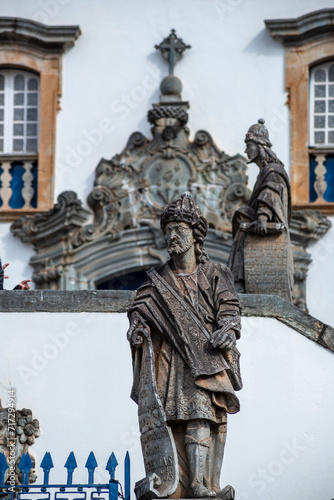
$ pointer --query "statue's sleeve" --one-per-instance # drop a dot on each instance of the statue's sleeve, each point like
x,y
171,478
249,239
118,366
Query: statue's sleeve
x,y
226,300
271,199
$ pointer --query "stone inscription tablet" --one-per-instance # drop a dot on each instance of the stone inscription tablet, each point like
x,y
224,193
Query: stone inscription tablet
x,y
266,265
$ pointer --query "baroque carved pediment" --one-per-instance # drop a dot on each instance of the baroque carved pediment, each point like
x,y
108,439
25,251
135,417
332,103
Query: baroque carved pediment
x,y
131,189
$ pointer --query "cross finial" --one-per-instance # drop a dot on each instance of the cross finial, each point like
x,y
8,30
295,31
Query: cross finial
x,y
171,49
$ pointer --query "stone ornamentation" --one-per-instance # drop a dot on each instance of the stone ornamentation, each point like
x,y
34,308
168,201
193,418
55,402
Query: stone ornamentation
x,y
184,323
26,432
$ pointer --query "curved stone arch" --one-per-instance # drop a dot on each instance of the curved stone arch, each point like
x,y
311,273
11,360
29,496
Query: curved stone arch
x,y
103,259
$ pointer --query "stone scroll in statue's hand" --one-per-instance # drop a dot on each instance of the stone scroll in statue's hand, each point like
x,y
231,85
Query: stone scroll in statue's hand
x,y
259,226
271,227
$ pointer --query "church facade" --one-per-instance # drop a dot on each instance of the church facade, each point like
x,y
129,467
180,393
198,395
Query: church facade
x,y
111,109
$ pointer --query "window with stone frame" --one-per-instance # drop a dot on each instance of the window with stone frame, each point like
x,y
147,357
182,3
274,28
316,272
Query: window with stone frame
x,y
322,132
19,113
322,105
309,81
30,88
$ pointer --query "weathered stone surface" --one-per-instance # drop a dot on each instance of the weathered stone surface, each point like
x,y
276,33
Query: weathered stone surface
x,y
18,431
268,306
272,306
266,265
65,301
184,324
261,258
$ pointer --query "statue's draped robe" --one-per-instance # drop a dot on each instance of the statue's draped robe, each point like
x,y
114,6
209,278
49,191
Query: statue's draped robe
x,y
271,197
192,379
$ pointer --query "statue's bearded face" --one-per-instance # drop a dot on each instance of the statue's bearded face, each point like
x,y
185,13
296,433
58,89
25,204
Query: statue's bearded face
x,y
179,237
252,151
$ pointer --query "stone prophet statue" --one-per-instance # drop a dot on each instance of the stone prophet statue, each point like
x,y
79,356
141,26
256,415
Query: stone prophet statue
x,y
184,323
261,258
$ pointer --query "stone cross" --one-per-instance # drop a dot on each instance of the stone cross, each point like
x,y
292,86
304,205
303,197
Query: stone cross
x,y
171,49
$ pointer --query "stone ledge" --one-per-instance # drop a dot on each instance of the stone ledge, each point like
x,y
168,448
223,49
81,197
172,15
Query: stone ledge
x,y
303,29
109,301
15,30
272,306
65,301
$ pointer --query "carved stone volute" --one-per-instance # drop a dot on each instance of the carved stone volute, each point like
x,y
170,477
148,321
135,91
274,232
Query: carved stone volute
x,y
49,227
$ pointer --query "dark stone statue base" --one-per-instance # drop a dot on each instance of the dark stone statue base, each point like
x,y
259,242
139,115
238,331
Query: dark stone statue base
x,y
226,493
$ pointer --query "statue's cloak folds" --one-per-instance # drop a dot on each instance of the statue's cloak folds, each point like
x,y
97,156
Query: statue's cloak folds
x,y
159,302
160,305
268,193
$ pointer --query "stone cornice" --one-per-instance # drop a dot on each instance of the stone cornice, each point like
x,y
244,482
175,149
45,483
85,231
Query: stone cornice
x,y
110,301
303,29
54,39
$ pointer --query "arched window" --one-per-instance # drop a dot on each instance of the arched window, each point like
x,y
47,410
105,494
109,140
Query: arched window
x,y
322,105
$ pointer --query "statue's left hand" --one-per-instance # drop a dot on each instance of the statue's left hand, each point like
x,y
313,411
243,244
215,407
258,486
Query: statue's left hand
x,y
223,340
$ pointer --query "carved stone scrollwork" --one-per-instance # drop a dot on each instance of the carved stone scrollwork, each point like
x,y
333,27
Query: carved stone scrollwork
x,y
25,433
131,189
66,214
50,273
307,226
301,262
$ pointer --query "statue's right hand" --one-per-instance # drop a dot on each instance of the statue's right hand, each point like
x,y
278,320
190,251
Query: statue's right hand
x,y
138,329
259,226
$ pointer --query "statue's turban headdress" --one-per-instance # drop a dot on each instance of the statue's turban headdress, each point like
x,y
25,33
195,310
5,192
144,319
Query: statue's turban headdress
x,y
185,209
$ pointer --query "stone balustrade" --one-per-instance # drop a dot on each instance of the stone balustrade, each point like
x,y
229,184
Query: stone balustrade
x,y
17,176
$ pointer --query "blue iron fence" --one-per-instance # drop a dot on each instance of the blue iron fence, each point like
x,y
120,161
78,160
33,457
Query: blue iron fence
x,y
68,490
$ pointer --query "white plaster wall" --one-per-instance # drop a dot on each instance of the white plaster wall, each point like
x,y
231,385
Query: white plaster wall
x,y
233,75
74,371
320,281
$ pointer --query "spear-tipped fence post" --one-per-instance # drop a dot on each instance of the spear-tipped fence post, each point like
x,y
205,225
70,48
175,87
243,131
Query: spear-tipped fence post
x,y
3,467
113,485
46,465
70,465
127,476
91,465
25,464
